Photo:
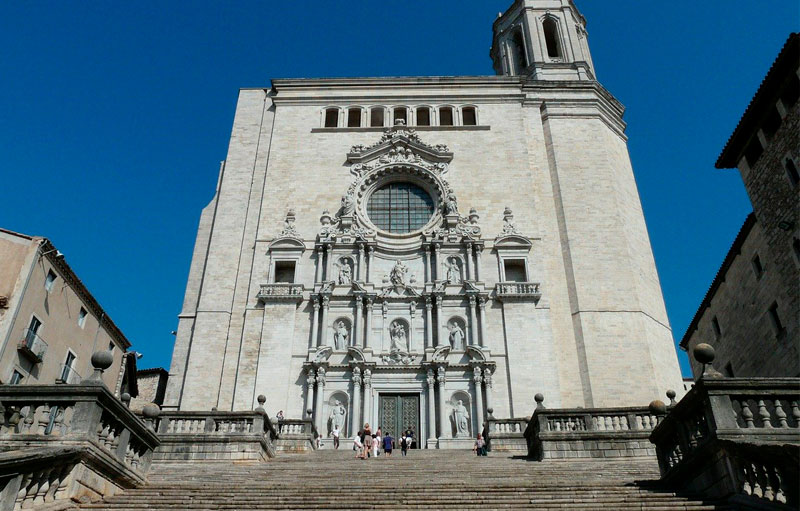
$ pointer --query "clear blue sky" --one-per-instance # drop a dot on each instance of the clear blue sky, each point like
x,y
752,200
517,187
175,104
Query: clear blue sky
x,y
114,117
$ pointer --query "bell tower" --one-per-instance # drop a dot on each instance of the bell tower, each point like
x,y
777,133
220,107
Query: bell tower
x,y
543,39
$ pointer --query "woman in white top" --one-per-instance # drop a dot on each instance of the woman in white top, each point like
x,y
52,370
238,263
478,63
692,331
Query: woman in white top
x,y
375,443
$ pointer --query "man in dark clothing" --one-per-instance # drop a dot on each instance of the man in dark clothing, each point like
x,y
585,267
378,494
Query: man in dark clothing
x,y
388,443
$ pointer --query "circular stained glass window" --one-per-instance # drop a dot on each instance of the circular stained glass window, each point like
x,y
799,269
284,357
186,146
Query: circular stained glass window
x,y
400,208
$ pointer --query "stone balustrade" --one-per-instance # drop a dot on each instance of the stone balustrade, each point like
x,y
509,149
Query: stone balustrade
x,y
280,292
508,291
506,435
215,435
734,438
589,432
100,446
296,435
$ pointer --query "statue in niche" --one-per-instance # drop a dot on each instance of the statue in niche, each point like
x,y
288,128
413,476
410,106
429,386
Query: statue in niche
x,y
340,335
337,416
453,271
348,205
399,336
345,272
451,204
461,419
398,273
456,336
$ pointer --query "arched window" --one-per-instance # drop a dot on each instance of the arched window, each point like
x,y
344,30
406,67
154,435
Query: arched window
x,y
469,116
400,207
400,112
423,116
445,116
518,57
376,116
354,117
332,118
550,27
791,172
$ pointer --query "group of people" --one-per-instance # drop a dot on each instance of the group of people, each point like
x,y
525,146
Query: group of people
x,y
369,444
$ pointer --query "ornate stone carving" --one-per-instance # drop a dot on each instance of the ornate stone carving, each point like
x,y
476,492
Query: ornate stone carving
x,y
441,375
289,228
398,274
477,375
461,419
321,376
341,335
398,358
323,353
367,377
453,265
399,336
430,378
337,415
457,336
508,222
348,205
345,267
356,376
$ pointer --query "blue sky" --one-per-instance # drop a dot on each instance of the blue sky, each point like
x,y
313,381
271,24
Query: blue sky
x,y
114,117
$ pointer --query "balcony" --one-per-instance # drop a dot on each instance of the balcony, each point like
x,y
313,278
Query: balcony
x,y
280,292
68,375
32,346
517,291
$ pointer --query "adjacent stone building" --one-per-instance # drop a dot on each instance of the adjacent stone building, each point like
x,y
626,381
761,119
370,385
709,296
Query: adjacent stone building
x,y
50,324
415,251
751,313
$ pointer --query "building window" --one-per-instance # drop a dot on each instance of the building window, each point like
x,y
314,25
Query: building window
x,y
775,319
514,270
758,268
729,370
400,208
519,59
445,116
82,317
376,116
332,118
354,118
68,374
423,116
468,116
796,248
791,171
400,113
772,123
284,272
49,280
550,27
33,331
16,378
111,346
791,92
715,327
753,152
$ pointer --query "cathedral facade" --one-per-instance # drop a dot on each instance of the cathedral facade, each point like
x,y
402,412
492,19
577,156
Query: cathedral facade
x,y
412,252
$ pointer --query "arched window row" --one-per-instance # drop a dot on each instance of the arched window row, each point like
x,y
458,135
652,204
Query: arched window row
x,y
384,116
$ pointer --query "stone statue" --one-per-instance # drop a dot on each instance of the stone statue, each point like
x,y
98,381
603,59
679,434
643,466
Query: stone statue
x,y
456,336
345,272
397,332
348,205
337,416
451,204
340,335
398,274
461,419
453,271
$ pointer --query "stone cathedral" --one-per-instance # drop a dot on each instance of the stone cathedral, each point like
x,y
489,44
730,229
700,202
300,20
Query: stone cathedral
x,y
413,252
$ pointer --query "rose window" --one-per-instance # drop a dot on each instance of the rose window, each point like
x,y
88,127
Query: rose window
x,y
400,208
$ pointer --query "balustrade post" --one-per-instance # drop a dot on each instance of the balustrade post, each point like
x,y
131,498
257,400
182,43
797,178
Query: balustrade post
x,y
720,413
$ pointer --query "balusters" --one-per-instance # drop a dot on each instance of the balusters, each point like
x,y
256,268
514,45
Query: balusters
x,y
780,414
747,415
796,414
763,414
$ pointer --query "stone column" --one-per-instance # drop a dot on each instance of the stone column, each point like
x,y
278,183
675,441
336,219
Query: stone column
x,y
318,420
310,381
320,262
428,276
482,309
356,336
368,398
439,321
473,318
469,260
361,262
323,334
368,322
431,408
370,258
478,253
441,377
355,414
428,322
477,376
329,263
315,323
436,261
412,310
487,379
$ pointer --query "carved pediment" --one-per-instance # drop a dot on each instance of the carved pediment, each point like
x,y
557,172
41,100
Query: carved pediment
x,y
476,353
322,354
440,354
286,244
515,241
356,354
399,145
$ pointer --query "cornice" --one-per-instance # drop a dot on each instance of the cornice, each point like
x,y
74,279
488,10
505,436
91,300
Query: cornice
x,y
284,84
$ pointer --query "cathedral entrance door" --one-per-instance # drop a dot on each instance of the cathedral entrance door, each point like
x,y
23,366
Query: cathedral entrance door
x,y
398,412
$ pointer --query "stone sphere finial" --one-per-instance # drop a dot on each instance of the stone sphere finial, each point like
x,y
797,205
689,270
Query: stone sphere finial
x,y
657,408
101,360
126,399
309,412
150,413
261,399
705,354
490,411
671,396
539,398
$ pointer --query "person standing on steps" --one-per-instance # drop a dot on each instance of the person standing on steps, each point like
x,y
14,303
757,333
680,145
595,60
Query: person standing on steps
x,y
358,445
404,443
335,434
480,446
376,443
367,441
409,434
388,443
280,418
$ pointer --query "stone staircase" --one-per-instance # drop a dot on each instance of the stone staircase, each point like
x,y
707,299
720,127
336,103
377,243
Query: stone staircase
x,y
423,480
